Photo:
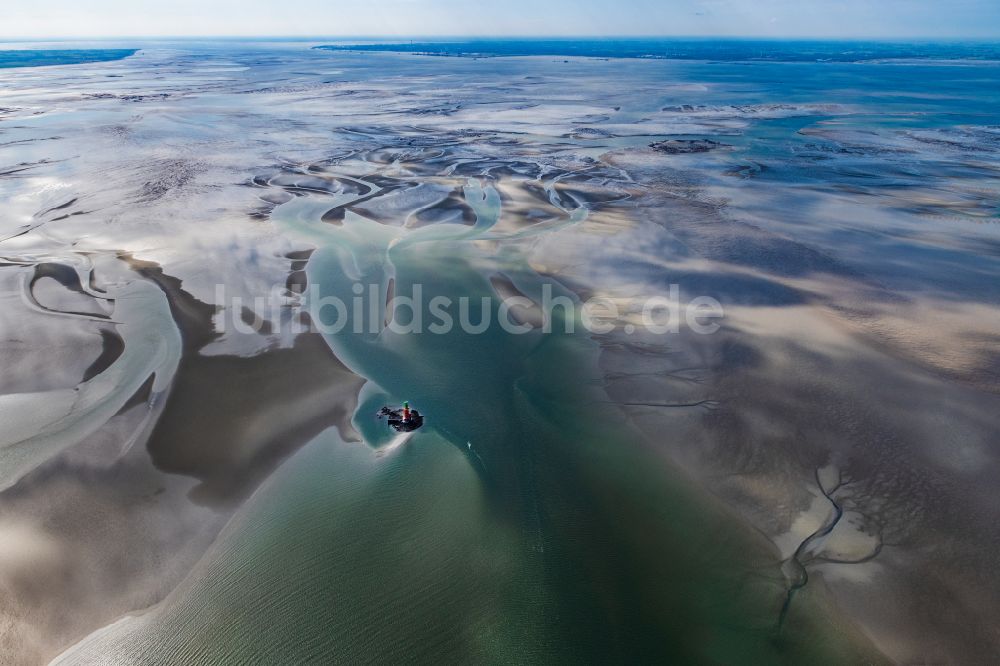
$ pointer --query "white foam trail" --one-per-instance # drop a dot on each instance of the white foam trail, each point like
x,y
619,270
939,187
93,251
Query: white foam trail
x,y
482,462
397,442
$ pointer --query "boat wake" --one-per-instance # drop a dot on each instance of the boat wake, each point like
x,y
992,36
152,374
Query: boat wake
x,y
397,443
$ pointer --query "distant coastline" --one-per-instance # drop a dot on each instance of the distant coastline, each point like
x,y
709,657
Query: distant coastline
x,y
726,50
48,57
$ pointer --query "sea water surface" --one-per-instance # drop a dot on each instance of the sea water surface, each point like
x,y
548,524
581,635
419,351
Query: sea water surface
x,y
509,528
708,49
540,515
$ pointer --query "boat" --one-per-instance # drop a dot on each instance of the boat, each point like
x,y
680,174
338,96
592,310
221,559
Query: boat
x,y
402,420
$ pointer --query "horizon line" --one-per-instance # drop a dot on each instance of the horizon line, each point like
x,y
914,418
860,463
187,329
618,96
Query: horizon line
x,y
439,37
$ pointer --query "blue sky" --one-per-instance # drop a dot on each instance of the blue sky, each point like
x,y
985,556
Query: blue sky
x,y
766,18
